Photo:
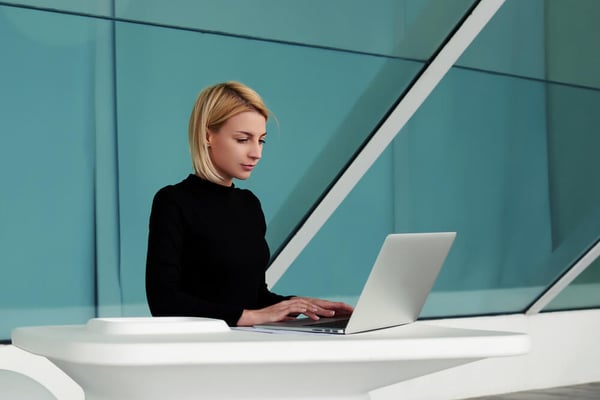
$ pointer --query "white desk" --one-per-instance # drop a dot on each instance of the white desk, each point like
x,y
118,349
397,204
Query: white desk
x,y
232,364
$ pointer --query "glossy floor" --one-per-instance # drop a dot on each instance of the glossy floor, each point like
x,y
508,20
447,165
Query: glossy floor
x,y
587,391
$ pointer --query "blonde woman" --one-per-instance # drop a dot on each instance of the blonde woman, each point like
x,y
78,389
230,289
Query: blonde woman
x,y
207,252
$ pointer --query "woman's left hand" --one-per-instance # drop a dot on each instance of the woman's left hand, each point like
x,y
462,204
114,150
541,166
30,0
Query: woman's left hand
x,y
326,308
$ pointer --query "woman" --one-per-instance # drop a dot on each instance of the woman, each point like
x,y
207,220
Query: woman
x,y
207,252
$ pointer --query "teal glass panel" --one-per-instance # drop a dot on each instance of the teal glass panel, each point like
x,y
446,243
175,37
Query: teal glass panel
x,y
508,162
512,43
516,212
571,34
47,156
397,28
574,56
551,40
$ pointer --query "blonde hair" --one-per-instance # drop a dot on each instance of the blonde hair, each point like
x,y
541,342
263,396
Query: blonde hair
x,y
213,107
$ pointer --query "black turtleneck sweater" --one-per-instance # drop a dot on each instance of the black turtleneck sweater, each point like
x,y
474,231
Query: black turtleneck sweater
x,y
207,252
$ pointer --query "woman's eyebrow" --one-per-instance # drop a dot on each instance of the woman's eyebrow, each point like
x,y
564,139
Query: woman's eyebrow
x,y
250,133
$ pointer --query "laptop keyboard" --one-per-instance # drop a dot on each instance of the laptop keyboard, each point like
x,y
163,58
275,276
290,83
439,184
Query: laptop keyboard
x,y
338,323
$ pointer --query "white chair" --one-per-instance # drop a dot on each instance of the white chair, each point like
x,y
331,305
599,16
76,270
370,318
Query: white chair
x,y
24,372
14,385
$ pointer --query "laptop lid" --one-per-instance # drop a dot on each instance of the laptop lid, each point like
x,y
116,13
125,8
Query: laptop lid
x,y
400,280
402,277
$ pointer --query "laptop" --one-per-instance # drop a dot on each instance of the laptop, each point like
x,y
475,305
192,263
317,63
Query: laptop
x,y
394,294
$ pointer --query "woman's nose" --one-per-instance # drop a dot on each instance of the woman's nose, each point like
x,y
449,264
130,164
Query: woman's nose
x,y
256,150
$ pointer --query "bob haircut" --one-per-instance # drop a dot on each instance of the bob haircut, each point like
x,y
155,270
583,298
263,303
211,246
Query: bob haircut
x,y
214,106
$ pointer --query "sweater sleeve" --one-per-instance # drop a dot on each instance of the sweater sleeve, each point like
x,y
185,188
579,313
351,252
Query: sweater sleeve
x,y
164,289
268,298
265,296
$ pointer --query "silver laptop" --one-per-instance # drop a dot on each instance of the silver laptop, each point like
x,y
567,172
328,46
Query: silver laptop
x,y
400,281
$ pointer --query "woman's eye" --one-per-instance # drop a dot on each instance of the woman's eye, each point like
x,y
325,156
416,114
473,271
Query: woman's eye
x,y
262,141
244,140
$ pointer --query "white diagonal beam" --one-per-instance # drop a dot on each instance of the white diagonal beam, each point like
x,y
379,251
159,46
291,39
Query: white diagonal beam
x,y
413,99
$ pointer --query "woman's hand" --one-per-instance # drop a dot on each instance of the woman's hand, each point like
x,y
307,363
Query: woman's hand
x,y
290,309
326,308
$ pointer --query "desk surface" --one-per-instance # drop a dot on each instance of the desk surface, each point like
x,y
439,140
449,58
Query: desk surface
x,y
78,343
225,364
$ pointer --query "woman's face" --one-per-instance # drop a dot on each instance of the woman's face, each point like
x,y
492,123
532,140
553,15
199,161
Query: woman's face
x,y
236,147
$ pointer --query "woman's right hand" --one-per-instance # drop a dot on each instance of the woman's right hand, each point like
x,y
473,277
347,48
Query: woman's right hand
x,y
282,311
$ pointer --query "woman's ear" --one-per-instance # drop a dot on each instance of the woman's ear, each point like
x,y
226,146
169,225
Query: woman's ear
x,y
209,135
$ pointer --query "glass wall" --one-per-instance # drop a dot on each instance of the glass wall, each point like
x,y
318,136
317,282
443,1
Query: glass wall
x,y
95,101
503,152
96,96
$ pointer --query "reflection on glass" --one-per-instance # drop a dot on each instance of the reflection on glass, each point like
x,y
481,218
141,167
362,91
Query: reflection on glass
x,y
514,175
